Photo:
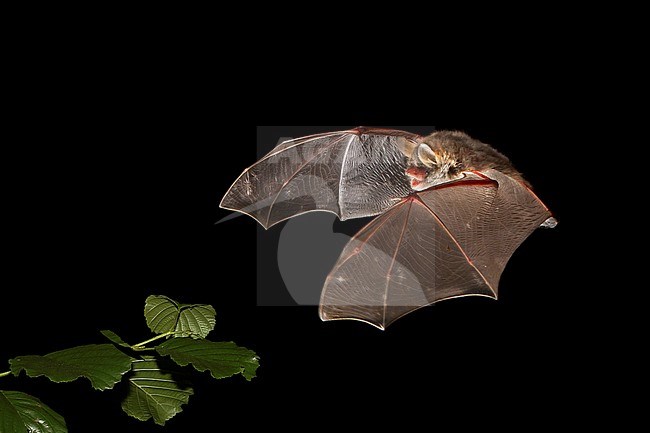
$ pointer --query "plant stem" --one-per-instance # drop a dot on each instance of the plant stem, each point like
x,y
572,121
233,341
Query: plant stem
x,y
6,373
157,337
143,349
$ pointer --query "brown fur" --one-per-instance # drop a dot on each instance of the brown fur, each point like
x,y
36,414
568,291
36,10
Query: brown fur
x,y
469,153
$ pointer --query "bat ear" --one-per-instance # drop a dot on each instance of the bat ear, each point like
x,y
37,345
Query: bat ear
x,y
426,155
406,146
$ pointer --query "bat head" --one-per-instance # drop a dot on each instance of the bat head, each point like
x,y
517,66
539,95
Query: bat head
x,y
427,168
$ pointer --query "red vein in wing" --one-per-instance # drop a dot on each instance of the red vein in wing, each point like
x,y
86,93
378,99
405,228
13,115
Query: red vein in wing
x,y
392,264
453,238
319,153
536,198
470,182
478,173
481,175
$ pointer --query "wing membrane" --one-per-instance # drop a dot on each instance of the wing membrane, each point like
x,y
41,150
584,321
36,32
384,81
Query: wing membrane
x,y
353,174
449,241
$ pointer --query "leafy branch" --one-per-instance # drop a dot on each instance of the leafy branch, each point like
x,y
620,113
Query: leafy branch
x,y
157,387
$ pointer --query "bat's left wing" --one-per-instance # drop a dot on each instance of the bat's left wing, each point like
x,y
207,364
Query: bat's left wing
x,y
355,173
449,241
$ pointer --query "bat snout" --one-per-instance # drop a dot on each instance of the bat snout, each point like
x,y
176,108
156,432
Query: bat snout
x,y
417,173
417,176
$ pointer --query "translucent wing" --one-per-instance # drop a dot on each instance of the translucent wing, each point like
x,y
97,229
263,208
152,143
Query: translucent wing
x,y
449,241
356,173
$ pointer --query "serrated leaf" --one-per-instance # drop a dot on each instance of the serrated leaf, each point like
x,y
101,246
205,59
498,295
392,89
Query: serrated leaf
x,y
22,413
222,359
102,364
195,321
154,391
187,320
112,336
161,314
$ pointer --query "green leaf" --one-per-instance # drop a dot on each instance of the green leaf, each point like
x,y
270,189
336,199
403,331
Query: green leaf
x,y
187,320
155,391
112,336
222,359
102,364
22,413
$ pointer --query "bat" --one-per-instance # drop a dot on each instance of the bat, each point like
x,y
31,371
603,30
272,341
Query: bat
x,y
450,210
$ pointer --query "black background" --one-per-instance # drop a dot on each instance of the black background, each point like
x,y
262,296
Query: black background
x,y
116,176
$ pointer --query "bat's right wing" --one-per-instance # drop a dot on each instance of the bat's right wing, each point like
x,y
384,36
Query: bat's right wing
x,y
449,241
356,173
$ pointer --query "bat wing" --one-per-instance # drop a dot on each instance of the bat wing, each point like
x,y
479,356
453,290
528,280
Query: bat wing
x,y
353,174
449,241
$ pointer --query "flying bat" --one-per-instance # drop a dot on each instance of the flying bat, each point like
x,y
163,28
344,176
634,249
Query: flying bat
x,y
450,210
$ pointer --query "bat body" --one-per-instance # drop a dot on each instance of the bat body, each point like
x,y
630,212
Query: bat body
x,y
452,210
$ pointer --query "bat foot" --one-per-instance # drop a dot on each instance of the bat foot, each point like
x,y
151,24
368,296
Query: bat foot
x,y
549,223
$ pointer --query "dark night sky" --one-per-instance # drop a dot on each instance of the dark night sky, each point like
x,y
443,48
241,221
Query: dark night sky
x,y
118,182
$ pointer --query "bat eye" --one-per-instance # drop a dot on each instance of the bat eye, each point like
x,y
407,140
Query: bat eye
x,y
455,169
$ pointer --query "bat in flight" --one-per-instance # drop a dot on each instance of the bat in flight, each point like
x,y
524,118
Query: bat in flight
x,y
451,212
